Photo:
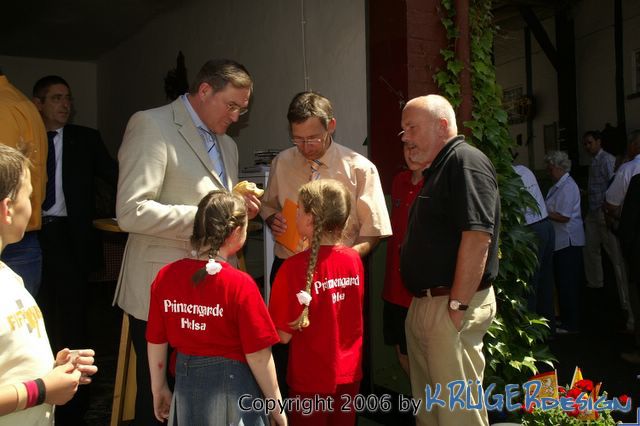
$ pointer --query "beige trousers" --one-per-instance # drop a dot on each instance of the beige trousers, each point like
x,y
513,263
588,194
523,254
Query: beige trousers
x,y
440,354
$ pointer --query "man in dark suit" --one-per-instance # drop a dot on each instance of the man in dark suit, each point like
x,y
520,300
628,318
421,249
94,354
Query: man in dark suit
x,y
76,155
629,234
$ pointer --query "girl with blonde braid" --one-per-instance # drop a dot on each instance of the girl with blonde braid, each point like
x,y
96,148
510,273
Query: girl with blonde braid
x,y
316,305
215,318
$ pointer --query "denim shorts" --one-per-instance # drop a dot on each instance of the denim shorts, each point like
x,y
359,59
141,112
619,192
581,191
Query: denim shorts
x,y
207,390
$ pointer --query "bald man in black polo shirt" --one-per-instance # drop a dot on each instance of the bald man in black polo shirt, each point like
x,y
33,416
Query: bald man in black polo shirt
x,y
448,261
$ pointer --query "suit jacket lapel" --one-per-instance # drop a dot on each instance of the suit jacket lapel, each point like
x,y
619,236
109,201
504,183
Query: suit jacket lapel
x,y
190,134
68,142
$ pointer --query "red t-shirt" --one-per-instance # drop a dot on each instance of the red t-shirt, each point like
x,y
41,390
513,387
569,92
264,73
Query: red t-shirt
x,y
329,351
224,315
403,193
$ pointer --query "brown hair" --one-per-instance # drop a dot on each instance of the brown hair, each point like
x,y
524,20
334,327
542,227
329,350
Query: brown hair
x,y
329,203
41,87
13,164
217,73
219,214
305,105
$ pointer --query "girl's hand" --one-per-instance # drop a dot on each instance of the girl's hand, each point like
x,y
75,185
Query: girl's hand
x,y
278,418
62,357
162,403
61,383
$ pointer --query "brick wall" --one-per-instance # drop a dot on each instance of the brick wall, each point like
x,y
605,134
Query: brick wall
x,y
405,38
425,38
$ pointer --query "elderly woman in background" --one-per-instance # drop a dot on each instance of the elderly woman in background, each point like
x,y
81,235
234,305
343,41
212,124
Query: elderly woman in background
x,y
563,205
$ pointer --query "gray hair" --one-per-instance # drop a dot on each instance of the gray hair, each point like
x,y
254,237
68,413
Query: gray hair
x,y
559,159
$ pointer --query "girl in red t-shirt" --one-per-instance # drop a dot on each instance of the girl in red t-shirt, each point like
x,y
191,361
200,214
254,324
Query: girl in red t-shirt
x,y
316,305
215,318
405,188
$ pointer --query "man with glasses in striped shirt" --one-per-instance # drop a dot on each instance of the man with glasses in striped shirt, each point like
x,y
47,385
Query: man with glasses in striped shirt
x,y
315,155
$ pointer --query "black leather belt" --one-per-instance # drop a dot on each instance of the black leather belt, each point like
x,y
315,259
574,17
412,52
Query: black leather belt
x,y
445,291
46,220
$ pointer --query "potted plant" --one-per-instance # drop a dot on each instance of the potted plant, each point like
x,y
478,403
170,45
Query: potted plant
x,y
576,405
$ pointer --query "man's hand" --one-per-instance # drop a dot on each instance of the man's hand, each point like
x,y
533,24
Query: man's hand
x,y
277,223
253,205
364,245
456,318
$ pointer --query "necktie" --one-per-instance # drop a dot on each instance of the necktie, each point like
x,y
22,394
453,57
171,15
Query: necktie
x,y
315,169
50,195
214,154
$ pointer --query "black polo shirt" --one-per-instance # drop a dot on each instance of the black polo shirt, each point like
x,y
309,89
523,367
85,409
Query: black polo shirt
x,y
460,193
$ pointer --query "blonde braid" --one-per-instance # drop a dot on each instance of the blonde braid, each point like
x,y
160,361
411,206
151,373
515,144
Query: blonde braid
x,y
329,204
303,320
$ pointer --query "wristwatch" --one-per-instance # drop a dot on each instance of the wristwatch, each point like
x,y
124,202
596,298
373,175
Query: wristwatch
x,y
456,305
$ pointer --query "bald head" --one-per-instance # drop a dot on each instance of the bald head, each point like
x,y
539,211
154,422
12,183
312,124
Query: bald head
x,y
428,123
437,108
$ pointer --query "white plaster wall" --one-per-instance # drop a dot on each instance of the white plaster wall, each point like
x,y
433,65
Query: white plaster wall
x,y
631,41
266,38
511,72
595,68
81,76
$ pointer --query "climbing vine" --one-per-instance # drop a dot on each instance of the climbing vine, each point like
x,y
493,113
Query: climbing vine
x,y
515,346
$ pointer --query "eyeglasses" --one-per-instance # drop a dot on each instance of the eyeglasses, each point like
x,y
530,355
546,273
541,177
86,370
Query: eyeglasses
x,y
56,99
316,141
408,129
233,107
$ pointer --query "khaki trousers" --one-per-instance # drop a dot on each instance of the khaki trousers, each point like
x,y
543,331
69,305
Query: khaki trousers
x,y
438,353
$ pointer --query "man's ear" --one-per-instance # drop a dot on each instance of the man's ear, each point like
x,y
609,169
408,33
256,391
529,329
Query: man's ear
x,y
6,211
443,124
38,103
331,126
204,89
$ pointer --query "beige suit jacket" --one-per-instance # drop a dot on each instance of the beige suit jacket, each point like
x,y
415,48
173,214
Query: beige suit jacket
x,y
164,173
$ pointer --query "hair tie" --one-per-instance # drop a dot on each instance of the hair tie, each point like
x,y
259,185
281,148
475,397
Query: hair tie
x,y
213,267
304,298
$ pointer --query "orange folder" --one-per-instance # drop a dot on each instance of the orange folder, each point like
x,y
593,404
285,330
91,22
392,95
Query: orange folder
x,y
290,238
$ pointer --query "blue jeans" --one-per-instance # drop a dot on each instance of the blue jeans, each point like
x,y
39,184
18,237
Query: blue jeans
x,y
25,258
207,391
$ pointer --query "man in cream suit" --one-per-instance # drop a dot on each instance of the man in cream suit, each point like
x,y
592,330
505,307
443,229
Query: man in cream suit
x,y
169,159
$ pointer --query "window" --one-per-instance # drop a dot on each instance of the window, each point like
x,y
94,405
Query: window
x,y
516,104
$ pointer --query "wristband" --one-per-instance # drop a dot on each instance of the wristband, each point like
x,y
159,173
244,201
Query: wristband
x,y
42,391
32,393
